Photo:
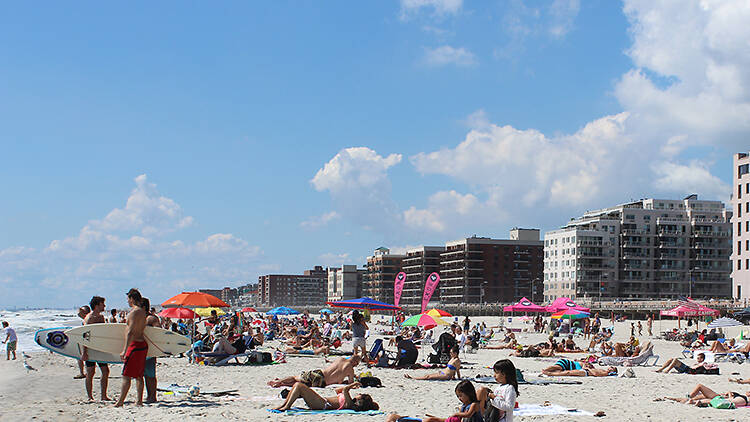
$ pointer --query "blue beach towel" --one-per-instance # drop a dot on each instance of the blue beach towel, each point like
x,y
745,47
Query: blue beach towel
x,y
301,411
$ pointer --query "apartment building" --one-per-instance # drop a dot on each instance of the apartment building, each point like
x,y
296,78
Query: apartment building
x,y
741,224
345,283
649,249
307,289
481,270
418,264
382,268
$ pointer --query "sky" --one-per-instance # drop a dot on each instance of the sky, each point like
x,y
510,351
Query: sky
x,y
178,146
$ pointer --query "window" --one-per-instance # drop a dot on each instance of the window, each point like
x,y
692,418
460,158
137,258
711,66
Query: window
x,y
747,245
739,191
747,207
739,246
739,211
747,264
743,169
739,264
747,187
747,226
739,228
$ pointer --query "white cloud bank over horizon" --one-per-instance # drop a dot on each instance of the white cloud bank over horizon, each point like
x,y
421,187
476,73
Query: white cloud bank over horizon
x,y
649,149
127,248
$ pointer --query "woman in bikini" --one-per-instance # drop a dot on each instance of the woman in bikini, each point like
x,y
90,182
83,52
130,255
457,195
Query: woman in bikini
x,y
342,400
701,396
571,368
452,370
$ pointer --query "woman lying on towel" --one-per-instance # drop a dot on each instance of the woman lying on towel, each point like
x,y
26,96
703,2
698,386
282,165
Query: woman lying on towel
x,y
452,370
722,347
701,396
571,368
342,400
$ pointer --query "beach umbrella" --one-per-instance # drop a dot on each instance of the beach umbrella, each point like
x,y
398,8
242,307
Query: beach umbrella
x,y
194,300
325,311
724,322
282,310
179,313
570,314
249,310
438,313
425,321
204,312
364,303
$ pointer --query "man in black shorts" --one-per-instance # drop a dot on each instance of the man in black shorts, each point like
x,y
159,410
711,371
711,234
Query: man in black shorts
x,y
95,317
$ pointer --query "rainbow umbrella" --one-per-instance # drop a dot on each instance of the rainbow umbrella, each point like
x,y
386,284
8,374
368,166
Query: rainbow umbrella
x,y
425,321
438,313
570,314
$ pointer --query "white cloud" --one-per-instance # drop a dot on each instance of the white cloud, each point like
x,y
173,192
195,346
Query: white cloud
x,y
127,248
685,179
319,221
691,75
334,260
447,55
357,180
563,14
439,8
441,207
145,211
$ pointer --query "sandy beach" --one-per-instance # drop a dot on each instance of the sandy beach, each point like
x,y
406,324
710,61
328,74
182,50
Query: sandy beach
x,y
51,393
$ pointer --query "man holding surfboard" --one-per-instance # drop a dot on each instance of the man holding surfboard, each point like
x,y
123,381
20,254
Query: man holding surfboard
x,y
136,348
95,317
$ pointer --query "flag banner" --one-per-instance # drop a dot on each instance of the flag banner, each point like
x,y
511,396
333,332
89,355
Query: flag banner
x,y
688,302
398,287
429,289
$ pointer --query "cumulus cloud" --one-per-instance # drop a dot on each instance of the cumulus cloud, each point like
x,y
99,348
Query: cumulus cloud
x,y
690,77
447,55
319,221
357,180
127,248
439,8
689,178
334,260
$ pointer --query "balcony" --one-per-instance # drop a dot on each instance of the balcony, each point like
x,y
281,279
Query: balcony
x,y
589,243
705,233
672,245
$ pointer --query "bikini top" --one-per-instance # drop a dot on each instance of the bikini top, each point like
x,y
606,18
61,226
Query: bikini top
x,y
451,367
342,401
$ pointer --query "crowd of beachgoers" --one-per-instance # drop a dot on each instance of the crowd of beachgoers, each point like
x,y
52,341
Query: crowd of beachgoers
x,y
315,367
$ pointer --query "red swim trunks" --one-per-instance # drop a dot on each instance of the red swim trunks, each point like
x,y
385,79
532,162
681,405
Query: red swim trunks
x,y
135,359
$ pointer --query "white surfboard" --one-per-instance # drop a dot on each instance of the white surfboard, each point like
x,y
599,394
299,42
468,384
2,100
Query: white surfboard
x,y
110,338
55,339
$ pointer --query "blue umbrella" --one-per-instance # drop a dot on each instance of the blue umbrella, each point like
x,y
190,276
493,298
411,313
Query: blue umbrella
x,y
282,310
326,311
364,303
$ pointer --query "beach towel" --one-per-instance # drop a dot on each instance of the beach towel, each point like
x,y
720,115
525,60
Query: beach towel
x,y
301,411
491,380
553,409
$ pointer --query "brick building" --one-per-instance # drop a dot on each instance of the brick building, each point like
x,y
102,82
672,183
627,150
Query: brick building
x,y
418,264
382,268
307,289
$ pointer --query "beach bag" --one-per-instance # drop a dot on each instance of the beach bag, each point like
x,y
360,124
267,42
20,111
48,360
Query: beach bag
x,y
433,358
720,402
370,382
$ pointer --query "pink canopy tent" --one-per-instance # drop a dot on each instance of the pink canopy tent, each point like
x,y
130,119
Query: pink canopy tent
x,y
524,305
684,311
564,303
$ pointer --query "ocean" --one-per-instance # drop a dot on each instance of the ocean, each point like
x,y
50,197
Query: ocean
x,y
27,322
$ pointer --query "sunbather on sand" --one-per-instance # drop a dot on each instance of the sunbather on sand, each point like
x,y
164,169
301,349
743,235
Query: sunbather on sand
x,y
452,370
341,369
681,367
571,368
744,349
719,347
342,400
512,344
739,380
701,396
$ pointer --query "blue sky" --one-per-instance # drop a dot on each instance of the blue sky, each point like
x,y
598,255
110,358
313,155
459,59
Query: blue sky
x,y
178,146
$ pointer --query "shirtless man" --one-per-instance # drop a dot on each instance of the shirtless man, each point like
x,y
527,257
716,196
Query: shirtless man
x,y
95,317
135,350
82,312
334,373
149,373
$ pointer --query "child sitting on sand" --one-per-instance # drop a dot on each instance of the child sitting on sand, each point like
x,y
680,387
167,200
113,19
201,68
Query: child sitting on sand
x,y
502,400
470,411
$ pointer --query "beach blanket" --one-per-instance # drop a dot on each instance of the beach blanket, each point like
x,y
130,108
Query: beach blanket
x,y
301,411
553,409
547,381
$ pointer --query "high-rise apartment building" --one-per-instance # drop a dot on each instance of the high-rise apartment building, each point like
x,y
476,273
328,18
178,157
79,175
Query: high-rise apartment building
x,y
652,248
480,269
382,268
418,264
307,289
741,224
345,283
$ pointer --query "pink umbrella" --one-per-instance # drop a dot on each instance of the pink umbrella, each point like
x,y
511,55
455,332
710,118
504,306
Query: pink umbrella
x,y
180,313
